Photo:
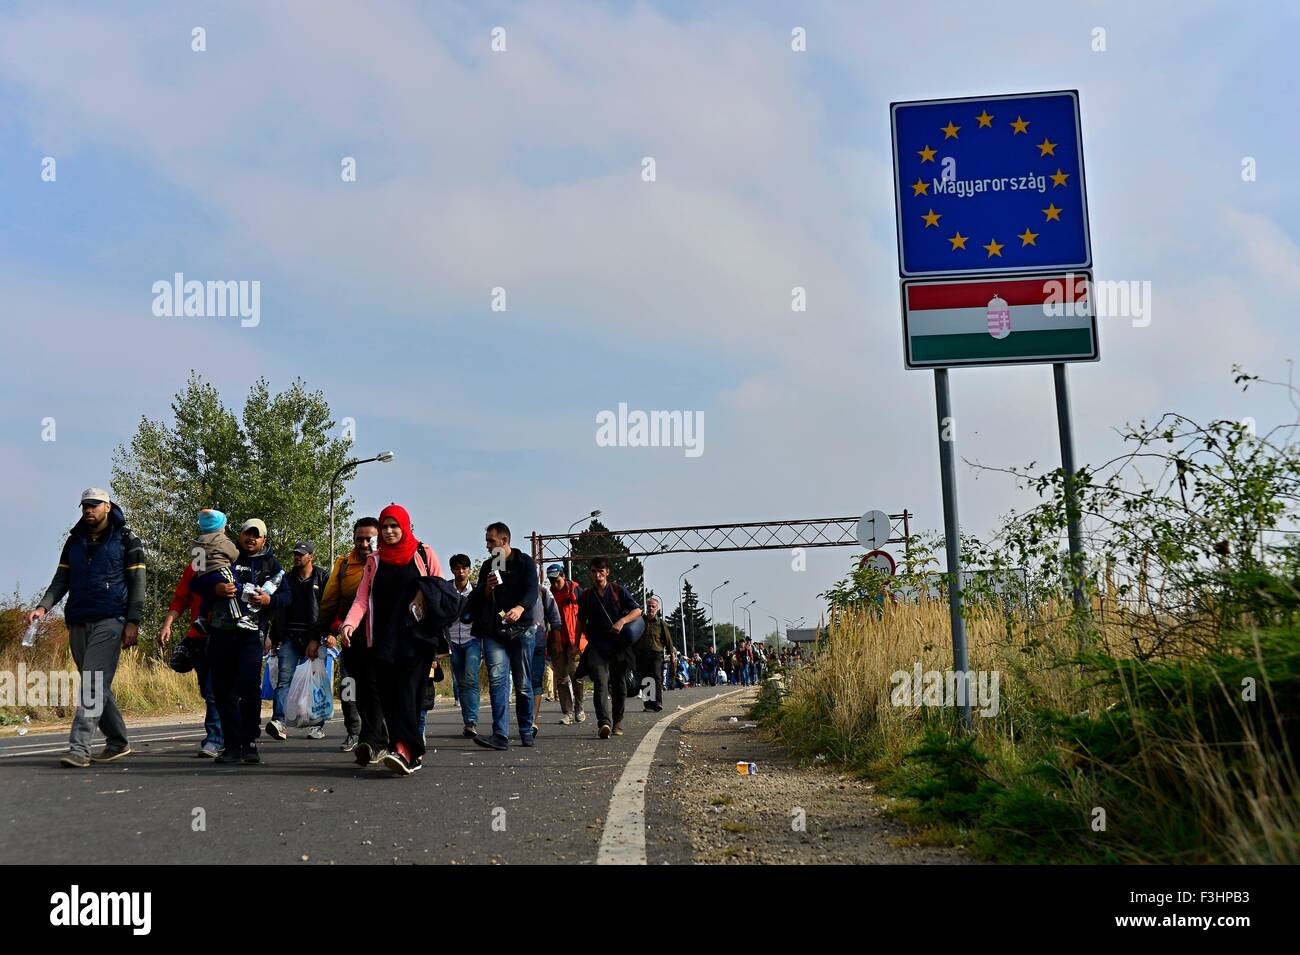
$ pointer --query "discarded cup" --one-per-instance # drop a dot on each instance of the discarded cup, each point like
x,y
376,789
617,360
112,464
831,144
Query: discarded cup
x,y
747,769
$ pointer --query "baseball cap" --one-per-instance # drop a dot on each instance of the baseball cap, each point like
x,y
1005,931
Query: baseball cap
x,y
96,495
555,570
256,524
302,547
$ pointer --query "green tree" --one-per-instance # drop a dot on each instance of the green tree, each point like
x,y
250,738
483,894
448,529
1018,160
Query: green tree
x,y
698,633
273,461
623,568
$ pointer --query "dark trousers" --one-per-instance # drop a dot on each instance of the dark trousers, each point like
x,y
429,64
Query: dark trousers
x,y
608,668
649,663
351,712
361,664
401,696
235,658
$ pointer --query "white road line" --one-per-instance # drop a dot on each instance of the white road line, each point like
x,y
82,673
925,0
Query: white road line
x,y
40,749
10,752
623,840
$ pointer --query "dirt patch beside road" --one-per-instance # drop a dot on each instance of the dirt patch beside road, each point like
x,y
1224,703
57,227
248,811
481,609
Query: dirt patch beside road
x,y
786,813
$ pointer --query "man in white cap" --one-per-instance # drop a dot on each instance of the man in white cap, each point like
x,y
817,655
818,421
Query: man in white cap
x,y
235,653
102,573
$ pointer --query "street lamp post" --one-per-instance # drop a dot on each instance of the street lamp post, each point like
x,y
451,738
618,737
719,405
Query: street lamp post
x,y
681,599
384,456
645,584
733,619
568,564
713,621
749,618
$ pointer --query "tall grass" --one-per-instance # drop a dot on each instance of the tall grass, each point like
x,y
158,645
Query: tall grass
x,y
1167,753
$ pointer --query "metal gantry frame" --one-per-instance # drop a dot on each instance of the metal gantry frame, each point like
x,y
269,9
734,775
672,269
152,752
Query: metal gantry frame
x,y
720,538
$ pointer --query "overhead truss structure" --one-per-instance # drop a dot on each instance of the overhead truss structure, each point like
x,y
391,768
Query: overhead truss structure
x,y
717,538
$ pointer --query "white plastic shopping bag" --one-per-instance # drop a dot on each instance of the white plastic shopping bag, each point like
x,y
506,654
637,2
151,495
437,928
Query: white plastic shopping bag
x,y
322,687
297,703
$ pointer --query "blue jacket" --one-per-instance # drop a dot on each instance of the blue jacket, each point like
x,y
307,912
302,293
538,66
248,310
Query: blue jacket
x,y
102,578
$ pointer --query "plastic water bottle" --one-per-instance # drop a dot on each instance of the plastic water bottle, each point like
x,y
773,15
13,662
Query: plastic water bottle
x,y
29,635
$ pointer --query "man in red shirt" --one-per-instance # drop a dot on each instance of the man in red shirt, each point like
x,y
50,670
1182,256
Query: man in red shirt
x,y
568,646
182,600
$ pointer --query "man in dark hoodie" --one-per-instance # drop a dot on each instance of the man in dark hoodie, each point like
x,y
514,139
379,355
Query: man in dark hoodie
x,y
101,570
235,654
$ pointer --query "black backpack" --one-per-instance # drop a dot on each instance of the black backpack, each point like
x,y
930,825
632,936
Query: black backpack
x,y
443,606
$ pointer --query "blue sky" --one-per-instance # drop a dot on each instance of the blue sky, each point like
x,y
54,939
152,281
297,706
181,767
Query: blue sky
x,y
522,170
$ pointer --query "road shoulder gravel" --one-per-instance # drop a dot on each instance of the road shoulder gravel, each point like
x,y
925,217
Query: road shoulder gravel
x,y
784,814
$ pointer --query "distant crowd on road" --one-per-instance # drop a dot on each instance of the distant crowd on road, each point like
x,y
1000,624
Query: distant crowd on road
x,y
384,614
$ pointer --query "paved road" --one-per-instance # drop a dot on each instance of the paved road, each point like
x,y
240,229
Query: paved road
x,y
308,799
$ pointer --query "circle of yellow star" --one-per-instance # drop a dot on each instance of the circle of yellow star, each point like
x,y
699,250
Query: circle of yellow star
x,y
1058,178
926,154
1027,238
932,218
950,131
993,248
1052,213
1046,148
985,119
958,241
1020,126
920,188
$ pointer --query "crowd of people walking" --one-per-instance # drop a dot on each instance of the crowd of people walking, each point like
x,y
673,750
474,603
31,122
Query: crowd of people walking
x,y
385,611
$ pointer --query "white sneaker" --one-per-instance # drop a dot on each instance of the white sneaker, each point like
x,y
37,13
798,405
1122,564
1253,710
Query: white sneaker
x,y
581,716
566,720
275,729
316,732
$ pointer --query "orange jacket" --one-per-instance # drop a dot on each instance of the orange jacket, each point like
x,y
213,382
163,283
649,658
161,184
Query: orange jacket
x,y
566,598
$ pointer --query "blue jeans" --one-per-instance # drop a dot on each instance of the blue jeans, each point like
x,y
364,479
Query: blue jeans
x,y
211,719
506,661
465,661
538,668
289,656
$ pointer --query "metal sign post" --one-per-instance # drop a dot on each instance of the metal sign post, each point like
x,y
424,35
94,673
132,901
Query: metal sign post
x,y
1072,507
952,531
995,258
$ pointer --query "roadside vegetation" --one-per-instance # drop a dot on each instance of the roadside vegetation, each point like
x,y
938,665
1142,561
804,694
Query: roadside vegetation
x,y
1157,725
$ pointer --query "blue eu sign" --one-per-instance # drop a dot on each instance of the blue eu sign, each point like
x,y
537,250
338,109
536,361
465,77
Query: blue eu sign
x,y
990,184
